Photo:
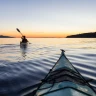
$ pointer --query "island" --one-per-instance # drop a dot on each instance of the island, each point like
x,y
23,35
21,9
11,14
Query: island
x,y
1,36
83,35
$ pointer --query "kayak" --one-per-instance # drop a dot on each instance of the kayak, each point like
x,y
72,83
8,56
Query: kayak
x,y
23,45
64,80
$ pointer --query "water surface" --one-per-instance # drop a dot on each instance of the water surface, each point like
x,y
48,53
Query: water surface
x,y
22,68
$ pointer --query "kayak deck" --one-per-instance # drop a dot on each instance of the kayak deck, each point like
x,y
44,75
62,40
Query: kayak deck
x,y
64,80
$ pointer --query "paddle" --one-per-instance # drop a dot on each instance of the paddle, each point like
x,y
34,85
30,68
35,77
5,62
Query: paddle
x,y
21,33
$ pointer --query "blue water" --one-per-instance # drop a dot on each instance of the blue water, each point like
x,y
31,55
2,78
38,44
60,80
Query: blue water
x,y
21,68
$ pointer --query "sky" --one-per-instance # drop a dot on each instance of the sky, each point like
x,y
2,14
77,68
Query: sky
x,y
47,18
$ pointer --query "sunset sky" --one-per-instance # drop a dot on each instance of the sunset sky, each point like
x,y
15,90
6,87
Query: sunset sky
x,y
47,18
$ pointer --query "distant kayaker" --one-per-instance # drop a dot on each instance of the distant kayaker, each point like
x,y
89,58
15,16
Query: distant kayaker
x,y
24,40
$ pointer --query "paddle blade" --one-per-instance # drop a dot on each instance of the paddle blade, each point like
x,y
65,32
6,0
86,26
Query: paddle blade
x,y
17,29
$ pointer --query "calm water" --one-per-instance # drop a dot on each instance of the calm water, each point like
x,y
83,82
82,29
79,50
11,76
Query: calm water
x,y
20,69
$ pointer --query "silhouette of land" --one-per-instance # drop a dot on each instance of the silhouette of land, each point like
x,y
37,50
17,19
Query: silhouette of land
x,y
1,36
83,35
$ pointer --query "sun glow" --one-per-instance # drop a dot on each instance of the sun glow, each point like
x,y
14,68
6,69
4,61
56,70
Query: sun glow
x,y
43,35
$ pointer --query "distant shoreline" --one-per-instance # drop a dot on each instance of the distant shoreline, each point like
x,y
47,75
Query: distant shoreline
x,y
83,35
1,36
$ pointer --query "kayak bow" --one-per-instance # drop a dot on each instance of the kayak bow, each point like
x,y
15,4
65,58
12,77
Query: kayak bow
x,y
64,80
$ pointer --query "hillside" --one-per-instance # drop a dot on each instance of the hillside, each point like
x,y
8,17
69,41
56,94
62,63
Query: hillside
x,y
84,35
1,36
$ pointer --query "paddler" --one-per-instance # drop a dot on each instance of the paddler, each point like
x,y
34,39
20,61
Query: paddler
x,y
24,40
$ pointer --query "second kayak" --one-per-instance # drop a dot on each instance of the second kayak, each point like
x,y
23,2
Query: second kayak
x,y
23,45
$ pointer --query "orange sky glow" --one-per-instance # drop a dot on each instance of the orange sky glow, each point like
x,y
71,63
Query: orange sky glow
x,y
38,34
